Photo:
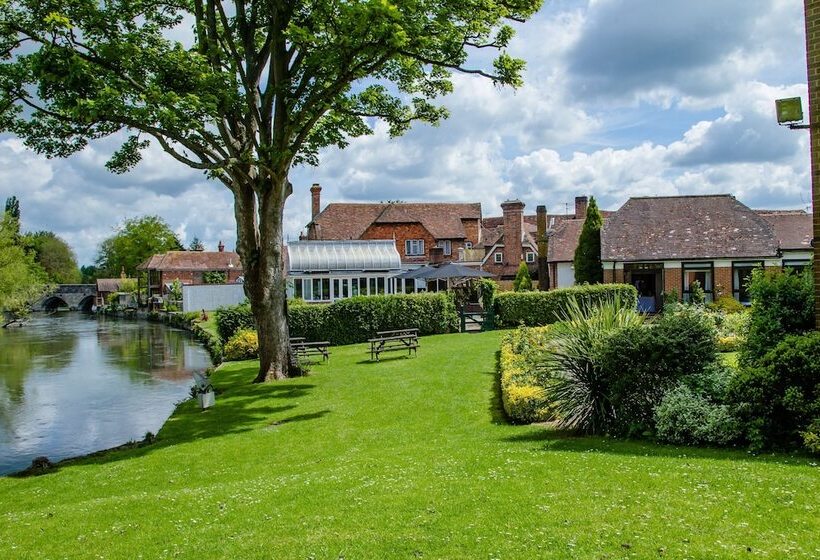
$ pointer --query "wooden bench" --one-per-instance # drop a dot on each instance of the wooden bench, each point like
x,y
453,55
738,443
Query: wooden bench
x,y
303,349
389,341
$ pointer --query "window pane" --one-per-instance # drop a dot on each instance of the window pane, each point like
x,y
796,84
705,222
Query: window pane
x,y
354,287
371,286
297,288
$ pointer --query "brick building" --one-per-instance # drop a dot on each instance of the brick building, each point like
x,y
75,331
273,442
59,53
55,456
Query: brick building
x,y
189,268
664,244
416,228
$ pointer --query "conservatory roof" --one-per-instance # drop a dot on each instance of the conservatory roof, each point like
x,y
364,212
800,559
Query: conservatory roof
x,y
318,256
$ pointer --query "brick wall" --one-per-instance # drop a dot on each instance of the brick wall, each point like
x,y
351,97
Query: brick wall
x,y
609,277
812,13
722,281
471,230
672,278
192,277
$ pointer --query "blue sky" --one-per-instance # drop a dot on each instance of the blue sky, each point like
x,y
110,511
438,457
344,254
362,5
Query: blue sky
x,y
622,98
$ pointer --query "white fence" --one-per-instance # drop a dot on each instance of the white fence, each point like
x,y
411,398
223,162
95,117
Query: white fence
x,y
211,296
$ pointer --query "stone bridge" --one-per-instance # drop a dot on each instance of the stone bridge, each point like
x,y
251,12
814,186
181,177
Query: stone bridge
x,y
76,297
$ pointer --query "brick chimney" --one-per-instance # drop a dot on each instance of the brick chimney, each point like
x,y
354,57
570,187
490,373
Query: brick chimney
x,y
315,200
221,246
513,211
543,247
581,207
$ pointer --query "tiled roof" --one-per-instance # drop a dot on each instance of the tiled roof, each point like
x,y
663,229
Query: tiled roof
x,y
340,221
564,241
792,228
192,260
108,284
685,227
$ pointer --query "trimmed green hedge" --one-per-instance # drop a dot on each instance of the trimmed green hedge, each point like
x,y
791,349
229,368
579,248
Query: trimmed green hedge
x,y
353,320
542,308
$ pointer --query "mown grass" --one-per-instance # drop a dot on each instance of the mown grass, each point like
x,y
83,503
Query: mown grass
x,y
407,458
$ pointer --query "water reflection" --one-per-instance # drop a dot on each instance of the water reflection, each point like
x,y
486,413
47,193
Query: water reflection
x,y
71,385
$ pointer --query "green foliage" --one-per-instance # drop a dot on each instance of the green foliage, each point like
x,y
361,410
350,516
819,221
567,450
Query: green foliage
x,y
581,389
352,320
542,308
487,290
135,240
782,304
89,274
685,417
243,345
22,280
54,255
639,364
523,281
196,245
696,294
811,437
13,213
587,261
779,396
214,277
727,304
524,385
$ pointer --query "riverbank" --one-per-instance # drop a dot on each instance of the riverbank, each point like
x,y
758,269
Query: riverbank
x,y
405,458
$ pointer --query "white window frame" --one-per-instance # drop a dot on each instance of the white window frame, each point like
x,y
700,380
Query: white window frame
x,y
447,245
468,244
414,247
498,257
529,256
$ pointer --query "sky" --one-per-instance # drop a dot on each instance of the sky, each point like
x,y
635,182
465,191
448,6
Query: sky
x,y
621,98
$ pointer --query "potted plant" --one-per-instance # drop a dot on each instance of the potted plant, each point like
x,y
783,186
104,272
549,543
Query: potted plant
x,y
203,390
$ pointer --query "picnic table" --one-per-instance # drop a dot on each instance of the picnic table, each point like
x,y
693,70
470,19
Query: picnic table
x,y
302,349
389,341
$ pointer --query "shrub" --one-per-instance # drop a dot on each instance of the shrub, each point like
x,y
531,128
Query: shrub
x,y
232,318
523,384
782,304
352,320
643,362
244,345
523,281
587,258
811,437
688,418
727,304
543,308
580,388
779,397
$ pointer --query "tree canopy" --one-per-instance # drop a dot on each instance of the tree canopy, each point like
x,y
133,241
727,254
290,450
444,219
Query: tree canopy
x,y
136,240
587,261
21,279
54,255
264,86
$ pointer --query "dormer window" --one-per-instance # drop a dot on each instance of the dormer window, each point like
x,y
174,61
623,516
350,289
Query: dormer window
x,y
498,257
414,247
530,257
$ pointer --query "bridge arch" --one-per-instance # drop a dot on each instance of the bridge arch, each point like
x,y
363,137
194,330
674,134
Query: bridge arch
x,y
86,304
52,303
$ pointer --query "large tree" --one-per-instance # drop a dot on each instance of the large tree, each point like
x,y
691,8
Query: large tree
x,y
587,261
136,240
264,86
21,279
53,254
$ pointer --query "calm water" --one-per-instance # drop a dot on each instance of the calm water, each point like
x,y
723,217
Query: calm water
x,y
72,384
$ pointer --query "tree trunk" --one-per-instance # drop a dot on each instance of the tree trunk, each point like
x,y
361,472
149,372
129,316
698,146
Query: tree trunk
x,y
259,216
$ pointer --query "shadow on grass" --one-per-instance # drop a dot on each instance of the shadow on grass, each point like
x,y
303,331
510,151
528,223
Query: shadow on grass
x,y
496,408
241,406
554,439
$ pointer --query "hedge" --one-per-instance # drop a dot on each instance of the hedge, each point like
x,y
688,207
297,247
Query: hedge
x,y
356,319
543,308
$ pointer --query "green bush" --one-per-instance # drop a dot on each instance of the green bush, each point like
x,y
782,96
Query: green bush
x,y
643,362
580,388
811,437
243,345
782,304
232,318
689,418
524,386
352,320
543,308
523,281
779,397
727,304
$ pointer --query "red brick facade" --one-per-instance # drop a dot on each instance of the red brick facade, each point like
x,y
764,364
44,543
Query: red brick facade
x,y
404,232
723,281
812,14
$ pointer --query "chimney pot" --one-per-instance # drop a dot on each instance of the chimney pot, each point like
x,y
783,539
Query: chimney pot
x,y
315,199
221,246
581,207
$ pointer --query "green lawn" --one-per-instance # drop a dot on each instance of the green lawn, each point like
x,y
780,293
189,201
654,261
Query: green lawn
x,y
407,458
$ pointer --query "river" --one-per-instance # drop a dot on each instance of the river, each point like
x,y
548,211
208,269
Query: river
x,y
71,384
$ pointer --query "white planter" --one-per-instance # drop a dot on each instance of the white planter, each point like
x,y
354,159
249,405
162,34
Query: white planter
x,y
206,400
